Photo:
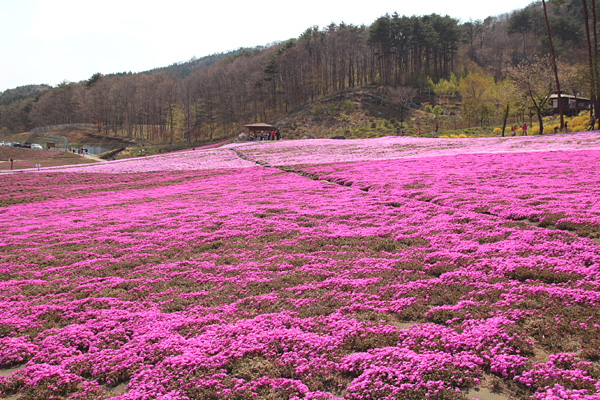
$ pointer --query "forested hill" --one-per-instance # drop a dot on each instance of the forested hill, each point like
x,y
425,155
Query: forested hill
x,y
397,56
184,69
22,92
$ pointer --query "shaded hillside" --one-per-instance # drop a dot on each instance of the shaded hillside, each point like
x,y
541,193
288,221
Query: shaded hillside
x,y
361,112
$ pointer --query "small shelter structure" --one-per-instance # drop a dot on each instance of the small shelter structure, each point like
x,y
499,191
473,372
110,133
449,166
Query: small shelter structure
x,y
571,105
253,128
257,131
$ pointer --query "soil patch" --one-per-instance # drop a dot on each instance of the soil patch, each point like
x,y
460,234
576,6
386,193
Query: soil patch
x,y
485,394
118,390
10,371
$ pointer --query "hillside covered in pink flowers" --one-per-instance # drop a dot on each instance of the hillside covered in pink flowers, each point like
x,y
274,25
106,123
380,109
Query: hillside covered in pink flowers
x,y
392,268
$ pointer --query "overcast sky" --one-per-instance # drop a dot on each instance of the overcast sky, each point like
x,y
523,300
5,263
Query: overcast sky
x,y
50,41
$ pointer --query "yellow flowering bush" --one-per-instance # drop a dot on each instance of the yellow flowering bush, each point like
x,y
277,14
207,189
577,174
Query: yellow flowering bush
x,y
580,121
578,128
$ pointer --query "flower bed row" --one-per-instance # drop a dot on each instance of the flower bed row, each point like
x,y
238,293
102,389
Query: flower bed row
x,y
551,189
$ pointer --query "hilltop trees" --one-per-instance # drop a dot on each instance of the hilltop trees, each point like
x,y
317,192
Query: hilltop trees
x,y
324,61
407,47
58,106
529,25
14,117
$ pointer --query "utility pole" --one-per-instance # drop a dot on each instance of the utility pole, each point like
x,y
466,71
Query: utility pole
x,y
560,104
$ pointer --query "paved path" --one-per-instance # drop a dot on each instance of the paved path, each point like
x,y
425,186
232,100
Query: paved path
x,y
93,157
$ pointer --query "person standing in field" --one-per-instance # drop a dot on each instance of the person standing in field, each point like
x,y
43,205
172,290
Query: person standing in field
x,y
525,129
592,123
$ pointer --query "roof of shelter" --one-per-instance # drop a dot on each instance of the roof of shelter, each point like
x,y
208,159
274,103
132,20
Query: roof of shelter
x,y
260,126
568,96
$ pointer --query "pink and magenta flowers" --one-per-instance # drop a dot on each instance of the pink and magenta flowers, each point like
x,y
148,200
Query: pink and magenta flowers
x,y
393,268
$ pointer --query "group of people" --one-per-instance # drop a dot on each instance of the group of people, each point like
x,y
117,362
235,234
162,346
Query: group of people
x,y
265,135
401,131
514,129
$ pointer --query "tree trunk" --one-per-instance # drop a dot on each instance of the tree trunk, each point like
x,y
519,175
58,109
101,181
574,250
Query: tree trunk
x,y
590,56
595,55
505,119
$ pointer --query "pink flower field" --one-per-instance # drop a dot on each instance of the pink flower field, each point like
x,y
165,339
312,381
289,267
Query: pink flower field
x,y
394,268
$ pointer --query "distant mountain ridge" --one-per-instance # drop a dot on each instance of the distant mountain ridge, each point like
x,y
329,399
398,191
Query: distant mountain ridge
x,y
179,69
184,69
22,92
